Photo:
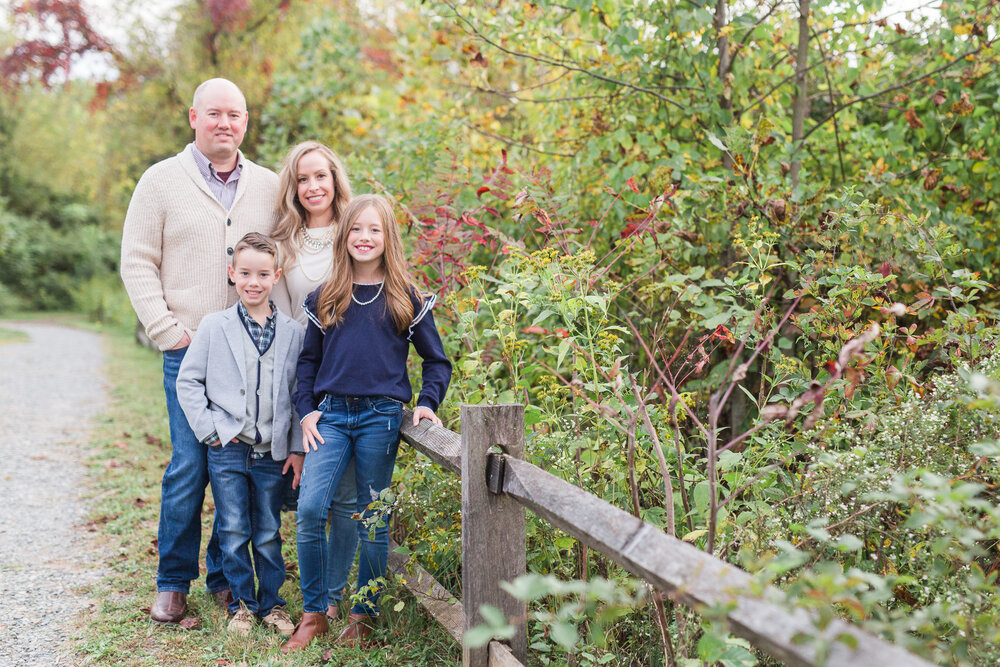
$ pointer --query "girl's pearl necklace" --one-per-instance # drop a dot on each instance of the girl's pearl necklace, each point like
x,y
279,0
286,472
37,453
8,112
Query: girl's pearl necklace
x,y
371,300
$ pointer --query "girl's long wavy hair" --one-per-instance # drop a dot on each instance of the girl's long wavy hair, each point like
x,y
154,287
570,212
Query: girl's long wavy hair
x,y
291,215
335,296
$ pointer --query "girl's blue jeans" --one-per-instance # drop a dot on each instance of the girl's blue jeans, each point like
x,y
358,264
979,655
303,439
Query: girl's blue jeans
x,y
367,429
342,545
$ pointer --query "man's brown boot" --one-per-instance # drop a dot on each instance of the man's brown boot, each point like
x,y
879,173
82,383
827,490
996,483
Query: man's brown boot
x,y
168,607
358,629
311,626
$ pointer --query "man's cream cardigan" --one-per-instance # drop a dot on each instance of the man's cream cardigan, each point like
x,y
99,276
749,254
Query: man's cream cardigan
x,y
177,241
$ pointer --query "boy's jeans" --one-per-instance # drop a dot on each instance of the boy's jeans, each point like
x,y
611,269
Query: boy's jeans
x,y
181,497
367,429
249,492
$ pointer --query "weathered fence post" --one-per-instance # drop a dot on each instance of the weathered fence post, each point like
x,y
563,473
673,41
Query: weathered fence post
x,y
493,529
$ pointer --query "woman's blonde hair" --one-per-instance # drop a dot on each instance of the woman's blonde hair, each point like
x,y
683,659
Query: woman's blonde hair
x,y
291,214
335,296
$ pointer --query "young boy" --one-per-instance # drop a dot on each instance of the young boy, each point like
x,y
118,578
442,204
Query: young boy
x,y
235,387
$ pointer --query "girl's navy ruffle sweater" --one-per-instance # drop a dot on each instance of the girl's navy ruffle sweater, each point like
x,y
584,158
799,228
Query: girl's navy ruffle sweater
x,y
365,356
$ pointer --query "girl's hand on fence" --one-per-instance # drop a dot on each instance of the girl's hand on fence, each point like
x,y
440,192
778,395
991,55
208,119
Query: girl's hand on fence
x,y
423,412
310,434
294,462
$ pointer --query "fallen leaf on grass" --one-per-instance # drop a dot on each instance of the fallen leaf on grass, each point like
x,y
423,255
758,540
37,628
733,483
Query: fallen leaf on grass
x,y
153,440
327,655
39,457
191,623
94,523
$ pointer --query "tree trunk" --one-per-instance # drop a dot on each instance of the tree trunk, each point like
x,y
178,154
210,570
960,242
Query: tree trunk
x,y
725,64
801,105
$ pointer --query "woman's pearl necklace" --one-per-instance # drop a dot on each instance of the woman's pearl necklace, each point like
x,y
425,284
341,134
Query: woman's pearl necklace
x,y
371,300
315,244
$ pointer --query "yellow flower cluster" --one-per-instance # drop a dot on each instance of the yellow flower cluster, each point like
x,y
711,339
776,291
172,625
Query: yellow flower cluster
x,y
581,261
512,344
757,236
534,262
459,303
786,365
473,272
550,387
607,342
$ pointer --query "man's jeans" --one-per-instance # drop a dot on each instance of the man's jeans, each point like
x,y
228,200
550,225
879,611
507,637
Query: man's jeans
x,y
181,497
249,490
367,429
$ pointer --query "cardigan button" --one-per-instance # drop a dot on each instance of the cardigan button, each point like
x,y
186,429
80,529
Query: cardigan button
x,y
229,251
228,222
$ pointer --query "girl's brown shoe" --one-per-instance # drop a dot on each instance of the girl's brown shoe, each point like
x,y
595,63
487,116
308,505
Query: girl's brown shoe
x,y
311,626
358,629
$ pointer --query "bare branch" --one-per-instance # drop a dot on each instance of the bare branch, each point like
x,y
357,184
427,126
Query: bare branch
x,y
545,60
668,484
959,60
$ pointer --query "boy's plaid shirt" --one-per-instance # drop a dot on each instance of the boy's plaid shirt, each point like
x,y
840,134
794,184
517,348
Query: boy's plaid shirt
x,y
260,335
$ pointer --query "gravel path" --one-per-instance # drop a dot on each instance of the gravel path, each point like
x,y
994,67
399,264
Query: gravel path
x,y
50,390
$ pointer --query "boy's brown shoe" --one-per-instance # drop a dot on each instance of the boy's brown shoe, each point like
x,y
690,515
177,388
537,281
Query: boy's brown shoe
x,y
168,607
241,623
279,621
358,629
313,625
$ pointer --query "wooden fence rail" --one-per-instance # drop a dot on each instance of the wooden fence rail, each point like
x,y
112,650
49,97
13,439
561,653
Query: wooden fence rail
x,y
497,486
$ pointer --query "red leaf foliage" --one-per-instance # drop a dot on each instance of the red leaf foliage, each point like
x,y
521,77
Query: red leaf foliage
x,y
227,14
631,229
60,32
381,58
722,333
912,119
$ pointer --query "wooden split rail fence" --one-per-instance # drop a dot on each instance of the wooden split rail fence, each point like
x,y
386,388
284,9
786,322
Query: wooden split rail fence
x,y
497,486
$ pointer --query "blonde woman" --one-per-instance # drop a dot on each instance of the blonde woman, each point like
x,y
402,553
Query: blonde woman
x,y
314,192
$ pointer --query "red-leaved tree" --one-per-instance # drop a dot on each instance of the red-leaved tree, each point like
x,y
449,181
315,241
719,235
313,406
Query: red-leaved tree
x,y
57,32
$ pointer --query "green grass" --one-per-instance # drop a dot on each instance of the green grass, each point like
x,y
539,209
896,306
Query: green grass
x,y
13,336
129,453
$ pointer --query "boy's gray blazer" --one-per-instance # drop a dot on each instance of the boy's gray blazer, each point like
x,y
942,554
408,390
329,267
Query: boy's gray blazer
x,y
212,382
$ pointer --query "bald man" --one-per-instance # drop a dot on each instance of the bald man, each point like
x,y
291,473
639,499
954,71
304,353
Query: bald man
x,y
186,215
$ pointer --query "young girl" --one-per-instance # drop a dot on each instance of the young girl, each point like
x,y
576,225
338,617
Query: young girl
x,y
315,190
352,384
